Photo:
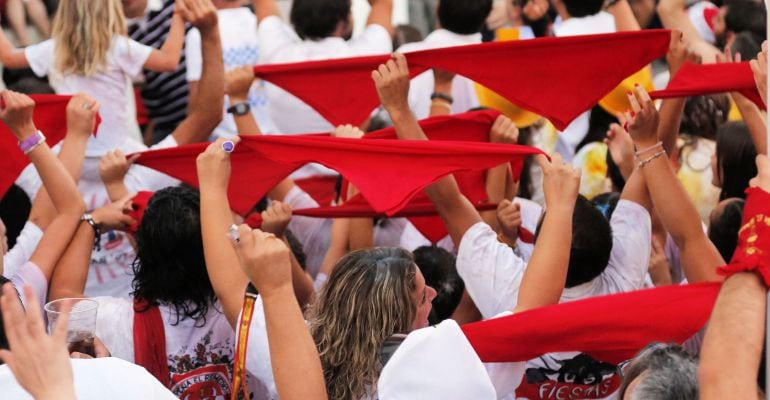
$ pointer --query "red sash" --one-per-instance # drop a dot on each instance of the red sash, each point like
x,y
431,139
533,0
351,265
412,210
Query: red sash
x,y
150,341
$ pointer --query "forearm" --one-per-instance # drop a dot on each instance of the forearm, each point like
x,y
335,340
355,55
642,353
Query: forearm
x,y
406,124
754,121
265,8
624,16
361,233
71,272
245,124
455,210
546,273
303,285
338,247
673,15
58,182
222,263
10,56
732,348
292,350
382,14
172,47
116,190
496,191
670,120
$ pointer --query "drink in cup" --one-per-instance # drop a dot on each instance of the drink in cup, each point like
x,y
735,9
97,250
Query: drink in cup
x,y
82,322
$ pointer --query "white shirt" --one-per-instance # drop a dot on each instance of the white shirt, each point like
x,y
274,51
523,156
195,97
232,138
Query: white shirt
x,y
423,85
492,272
313,233
26,244
111,87
30,274
98,379
110,272
279,43
240,47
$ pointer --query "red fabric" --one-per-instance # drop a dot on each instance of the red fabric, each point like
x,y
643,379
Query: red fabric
x,y
753,252
150,341
138,205
260,162
142,118
320,188
698,80
610,328
708,14
558,78
50,118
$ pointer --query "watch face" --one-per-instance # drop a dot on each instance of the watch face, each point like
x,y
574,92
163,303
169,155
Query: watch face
x,y
240,109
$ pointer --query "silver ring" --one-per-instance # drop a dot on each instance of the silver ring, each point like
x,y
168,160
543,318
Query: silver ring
x,y
228,146
87,106
234,235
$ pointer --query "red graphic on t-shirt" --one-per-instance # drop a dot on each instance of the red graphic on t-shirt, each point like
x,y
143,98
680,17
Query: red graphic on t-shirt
x,y
211,382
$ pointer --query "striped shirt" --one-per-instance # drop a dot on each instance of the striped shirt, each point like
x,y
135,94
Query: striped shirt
x,y
164,94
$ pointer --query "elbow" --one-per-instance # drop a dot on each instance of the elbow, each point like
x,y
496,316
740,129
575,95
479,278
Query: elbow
x,y
75,208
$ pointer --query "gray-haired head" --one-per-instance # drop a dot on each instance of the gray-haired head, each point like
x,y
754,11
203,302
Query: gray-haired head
x,y
661,372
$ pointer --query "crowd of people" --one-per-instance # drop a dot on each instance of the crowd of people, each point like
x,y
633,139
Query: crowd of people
x,y
198,301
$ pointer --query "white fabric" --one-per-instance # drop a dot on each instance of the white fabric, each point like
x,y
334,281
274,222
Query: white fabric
x,y
313,233
30,274
279,43
697,15
423,85
388,232
240,47
492,272
112,88
110,272
435,363
412,239
98,379
195,354
26,244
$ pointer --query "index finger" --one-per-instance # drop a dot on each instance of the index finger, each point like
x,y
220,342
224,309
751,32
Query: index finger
x,y
401,63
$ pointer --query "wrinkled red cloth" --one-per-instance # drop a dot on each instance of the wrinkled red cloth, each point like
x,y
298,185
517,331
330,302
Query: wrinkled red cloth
x,y
753,251
50,117
610,328
698,80
138,205
150,341
388,173
558,78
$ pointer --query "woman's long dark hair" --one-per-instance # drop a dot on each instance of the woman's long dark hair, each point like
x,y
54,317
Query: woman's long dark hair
x,y
736,154
170,268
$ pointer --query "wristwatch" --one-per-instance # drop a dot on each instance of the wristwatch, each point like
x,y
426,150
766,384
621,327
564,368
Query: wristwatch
x,y
87,218
239,109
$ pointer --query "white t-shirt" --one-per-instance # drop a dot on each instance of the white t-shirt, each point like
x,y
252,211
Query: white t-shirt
x,y
240,47
197,356
111,272
30,274
98,379
26,244
423,85
313,233
111,87
438,343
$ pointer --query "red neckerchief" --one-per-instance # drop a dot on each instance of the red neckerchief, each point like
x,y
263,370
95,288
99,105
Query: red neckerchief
x,y
150,341
698,80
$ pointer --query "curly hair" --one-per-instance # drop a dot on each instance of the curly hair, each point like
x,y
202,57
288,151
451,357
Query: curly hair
x,y
703,115
367,298
169,268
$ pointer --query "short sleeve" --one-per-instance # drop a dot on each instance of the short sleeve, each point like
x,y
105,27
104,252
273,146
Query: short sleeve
x,y
40,57
492,272
26,244
115,326
193,55
631,245
274,34
30,274
130,55
375,39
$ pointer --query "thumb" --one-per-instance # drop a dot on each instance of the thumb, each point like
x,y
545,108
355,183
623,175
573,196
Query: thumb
x,y
505,203
130,161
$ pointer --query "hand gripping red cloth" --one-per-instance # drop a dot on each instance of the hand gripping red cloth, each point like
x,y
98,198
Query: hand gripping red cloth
x,y
609,328
698,80
138,205
388,173
753,251
50,117
558,78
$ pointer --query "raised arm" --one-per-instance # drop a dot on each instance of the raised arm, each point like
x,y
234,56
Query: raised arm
x,y
293,355
17,115
392,82
167,58
673,15
672,109
204,112
624,16
759,67
237,84
751,114
677,213
546,273
113,167
265,8
228,280
381,14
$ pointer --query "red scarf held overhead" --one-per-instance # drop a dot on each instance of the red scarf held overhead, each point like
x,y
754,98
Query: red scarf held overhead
x,y
558,78
753,251
150,341
260,162
50,117
609,328
699,80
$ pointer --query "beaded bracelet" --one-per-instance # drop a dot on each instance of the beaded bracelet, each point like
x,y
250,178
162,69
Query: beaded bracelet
x,y
646,161
653,147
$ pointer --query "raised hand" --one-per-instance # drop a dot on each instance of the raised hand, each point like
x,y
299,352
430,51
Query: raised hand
x,y
561,182
759,67
16,111
238,82
214,165
201,14
265,259
82,110
115,215
276,218
679,54
113,166
504,131
348,131
621,146
643,119
509,218
392,82
39,362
